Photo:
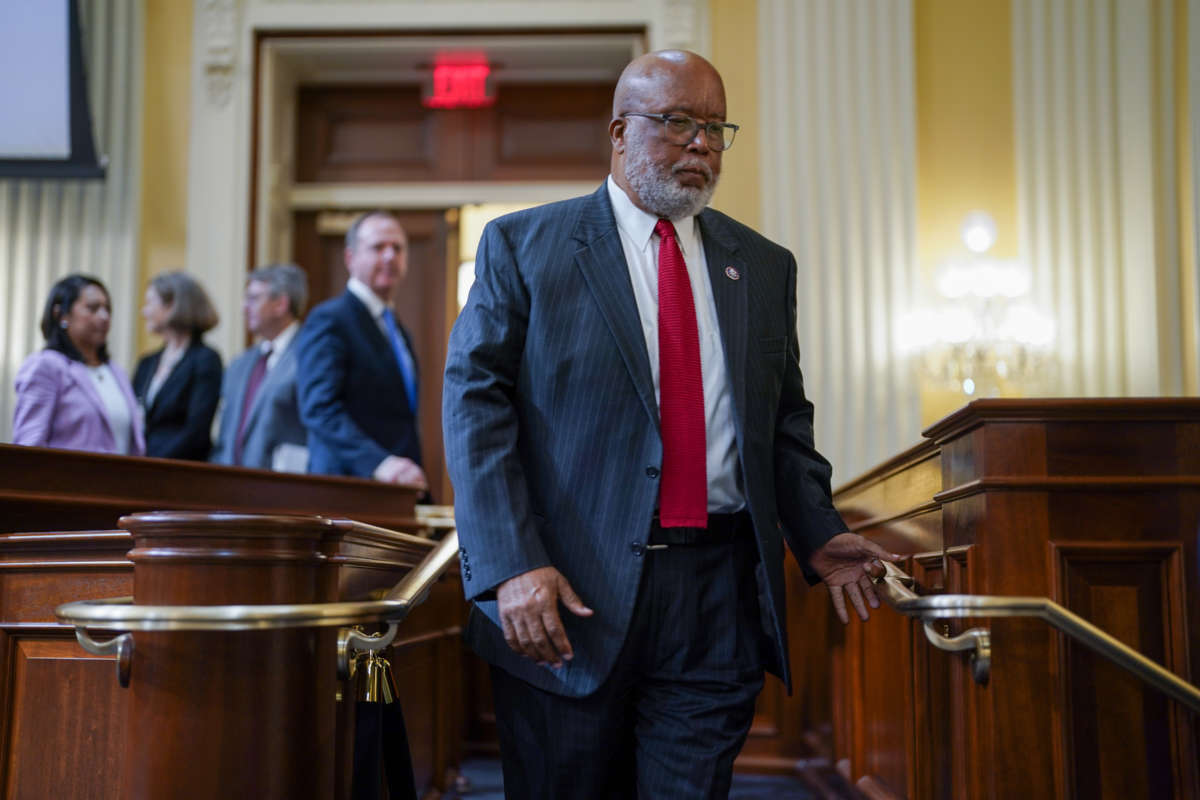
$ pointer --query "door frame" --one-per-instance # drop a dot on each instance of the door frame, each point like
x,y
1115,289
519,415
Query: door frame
x,y
238,190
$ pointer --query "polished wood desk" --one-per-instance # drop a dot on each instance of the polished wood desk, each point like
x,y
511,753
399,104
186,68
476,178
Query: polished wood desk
x,y
63,719
1093,503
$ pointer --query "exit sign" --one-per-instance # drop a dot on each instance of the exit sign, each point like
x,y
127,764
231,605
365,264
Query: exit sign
x,y
460,86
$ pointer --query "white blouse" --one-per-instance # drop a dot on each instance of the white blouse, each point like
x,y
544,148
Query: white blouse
x,y
116,409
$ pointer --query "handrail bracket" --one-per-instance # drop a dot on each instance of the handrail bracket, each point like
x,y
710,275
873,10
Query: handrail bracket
x,y
976,642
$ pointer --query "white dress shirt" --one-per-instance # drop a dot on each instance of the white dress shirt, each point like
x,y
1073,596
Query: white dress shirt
x,y
276,347
374,305
640,243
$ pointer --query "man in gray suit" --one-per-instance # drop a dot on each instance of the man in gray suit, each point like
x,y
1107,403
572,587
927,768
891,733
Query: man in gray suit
x,y
260,423
627,433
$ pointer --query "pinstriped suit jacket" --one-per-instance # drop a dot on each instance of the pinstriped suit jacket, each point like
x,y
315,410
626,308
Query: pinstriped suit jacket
x,y
274,416
551,424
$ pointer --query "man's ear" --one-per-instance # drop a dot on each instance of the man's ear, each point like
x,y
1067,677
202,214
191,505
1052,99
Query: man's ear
x,y
616,133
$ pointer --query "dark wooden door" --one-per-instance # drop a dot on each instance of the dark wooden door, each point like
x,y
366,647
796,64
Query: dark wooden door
x,y
382,133
425,303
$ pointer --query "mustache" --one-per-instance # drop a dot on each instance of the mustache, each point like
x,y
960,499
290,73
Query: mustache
x,y
693,165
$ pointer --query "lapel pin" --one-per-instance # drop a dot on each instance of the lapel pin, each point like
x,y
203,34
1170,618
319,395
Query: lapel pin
x,y
732,273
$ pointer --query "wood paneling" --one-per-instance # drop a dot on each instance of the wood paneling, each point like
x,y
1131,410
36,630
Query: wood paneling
x,y
57,699
84,723
797,733
354,134
67,490
383,133
1135,593
556,132
1095,503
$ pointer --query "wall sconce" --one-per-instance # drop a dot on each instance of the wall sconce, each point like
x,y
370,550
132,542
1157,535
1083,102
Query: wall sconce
x,y
982,336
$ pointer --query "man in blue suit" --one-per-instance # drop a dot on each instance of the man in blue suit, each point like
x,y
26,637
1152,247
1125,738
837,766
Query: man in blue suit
x,y
260,421
627,434
356,374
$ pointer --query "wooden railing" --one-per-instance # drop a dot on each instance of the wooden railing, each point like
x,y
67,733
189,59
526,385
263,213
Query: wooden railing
x,y
1094,504
63,706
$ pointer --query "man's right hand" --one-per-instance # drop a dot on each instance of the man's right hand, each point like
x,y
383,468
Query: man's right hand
x,y
528,606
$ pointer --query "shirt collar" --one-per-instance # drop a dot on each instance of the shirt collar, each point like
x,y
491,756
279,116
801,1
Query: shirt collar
x,y
369,299
280,342
638,225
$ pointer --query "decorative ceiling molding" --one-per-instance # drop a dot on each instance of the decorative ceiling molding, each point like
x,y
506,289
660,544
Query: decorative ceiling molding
x,y
218,22
684,25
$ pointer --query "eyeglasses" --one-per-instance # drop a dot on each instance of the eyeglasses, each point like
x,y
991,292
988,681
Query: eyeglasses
x,y
681,129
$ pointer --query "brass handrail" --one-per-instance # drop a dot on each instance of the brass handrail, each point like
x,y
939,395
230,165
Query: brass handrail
x,y
119,613
895,587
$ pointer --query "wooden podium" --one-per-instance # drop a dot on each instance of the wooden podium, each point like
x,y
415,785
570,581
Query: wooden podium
x,y
68,729
1092,503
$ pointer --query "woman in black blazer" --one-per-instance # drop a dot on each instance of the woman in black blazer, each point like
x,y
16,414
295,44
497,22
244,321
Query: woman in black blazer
x,y
178,386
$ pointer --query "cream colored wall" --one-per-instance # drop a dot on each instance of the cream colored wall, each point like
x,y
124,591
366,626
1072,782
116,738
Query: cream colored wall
x,y
734,53
163,238
965,153
966,156
965,141
1187,234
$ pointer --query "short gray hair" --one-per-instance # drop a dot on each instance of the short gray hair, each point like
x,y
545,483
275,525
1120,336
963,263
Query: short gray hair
x,y
285,279
352,231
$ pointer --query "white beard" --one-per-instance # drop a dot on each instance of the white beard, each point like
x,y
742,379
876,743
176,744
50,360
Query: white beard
x,y
658,190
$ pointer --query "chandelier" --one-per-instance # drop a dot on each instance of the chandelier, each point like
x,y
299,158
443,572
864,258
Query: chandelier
x,y
982,336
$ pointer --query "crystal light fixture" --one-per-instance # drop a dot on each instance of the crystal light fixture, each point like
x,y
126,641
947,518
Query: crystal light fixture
x,y
983,336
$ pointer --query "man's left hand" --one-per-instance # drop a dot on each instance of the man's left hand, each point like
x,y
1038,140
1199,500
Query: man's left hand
x,y
845,564
397,469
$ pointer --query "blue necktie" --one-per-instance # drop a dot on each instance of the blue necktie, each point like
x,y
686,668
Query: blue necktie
x,y
408,369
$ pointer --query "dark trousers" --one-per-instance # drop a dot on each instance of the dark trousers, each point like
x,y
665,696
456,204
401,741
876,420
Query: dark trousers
x,y
676,709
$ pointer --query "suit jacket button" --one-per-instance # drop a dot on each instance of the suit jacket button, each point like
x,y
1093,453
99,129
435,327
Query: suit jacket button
x,y
638,549
652,472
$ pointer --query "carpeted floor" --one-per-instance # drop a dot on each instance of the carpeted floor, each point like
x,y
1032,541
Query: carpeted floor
x,y
488,784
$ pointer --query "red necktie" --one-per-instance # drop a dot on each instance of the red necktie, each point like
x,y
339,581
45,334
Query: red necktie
x,y
683,494
256,378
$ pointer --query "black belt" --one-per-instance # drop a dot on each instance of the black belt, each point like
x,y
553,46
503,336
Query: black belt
x,y
721,529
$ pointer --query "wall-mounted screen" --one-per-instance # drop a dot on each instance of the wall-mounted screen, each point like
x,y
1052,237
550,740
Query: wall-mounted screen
x,y
45,122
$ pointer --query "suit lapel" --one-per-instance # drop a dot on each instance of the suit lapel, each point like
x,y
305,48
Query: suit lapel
x,y
175,379
602,262
729,296
151,368
238,378
369,328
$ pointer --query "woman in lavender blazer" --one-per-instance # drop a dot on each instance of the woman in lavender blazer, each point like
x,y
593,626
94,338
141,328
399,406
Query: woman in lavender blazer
x,y
70,395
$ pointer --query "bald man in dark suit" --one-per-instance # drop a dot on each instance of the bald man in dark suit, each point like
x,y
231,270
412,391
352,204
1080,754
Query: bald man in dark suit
x,y
630,445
